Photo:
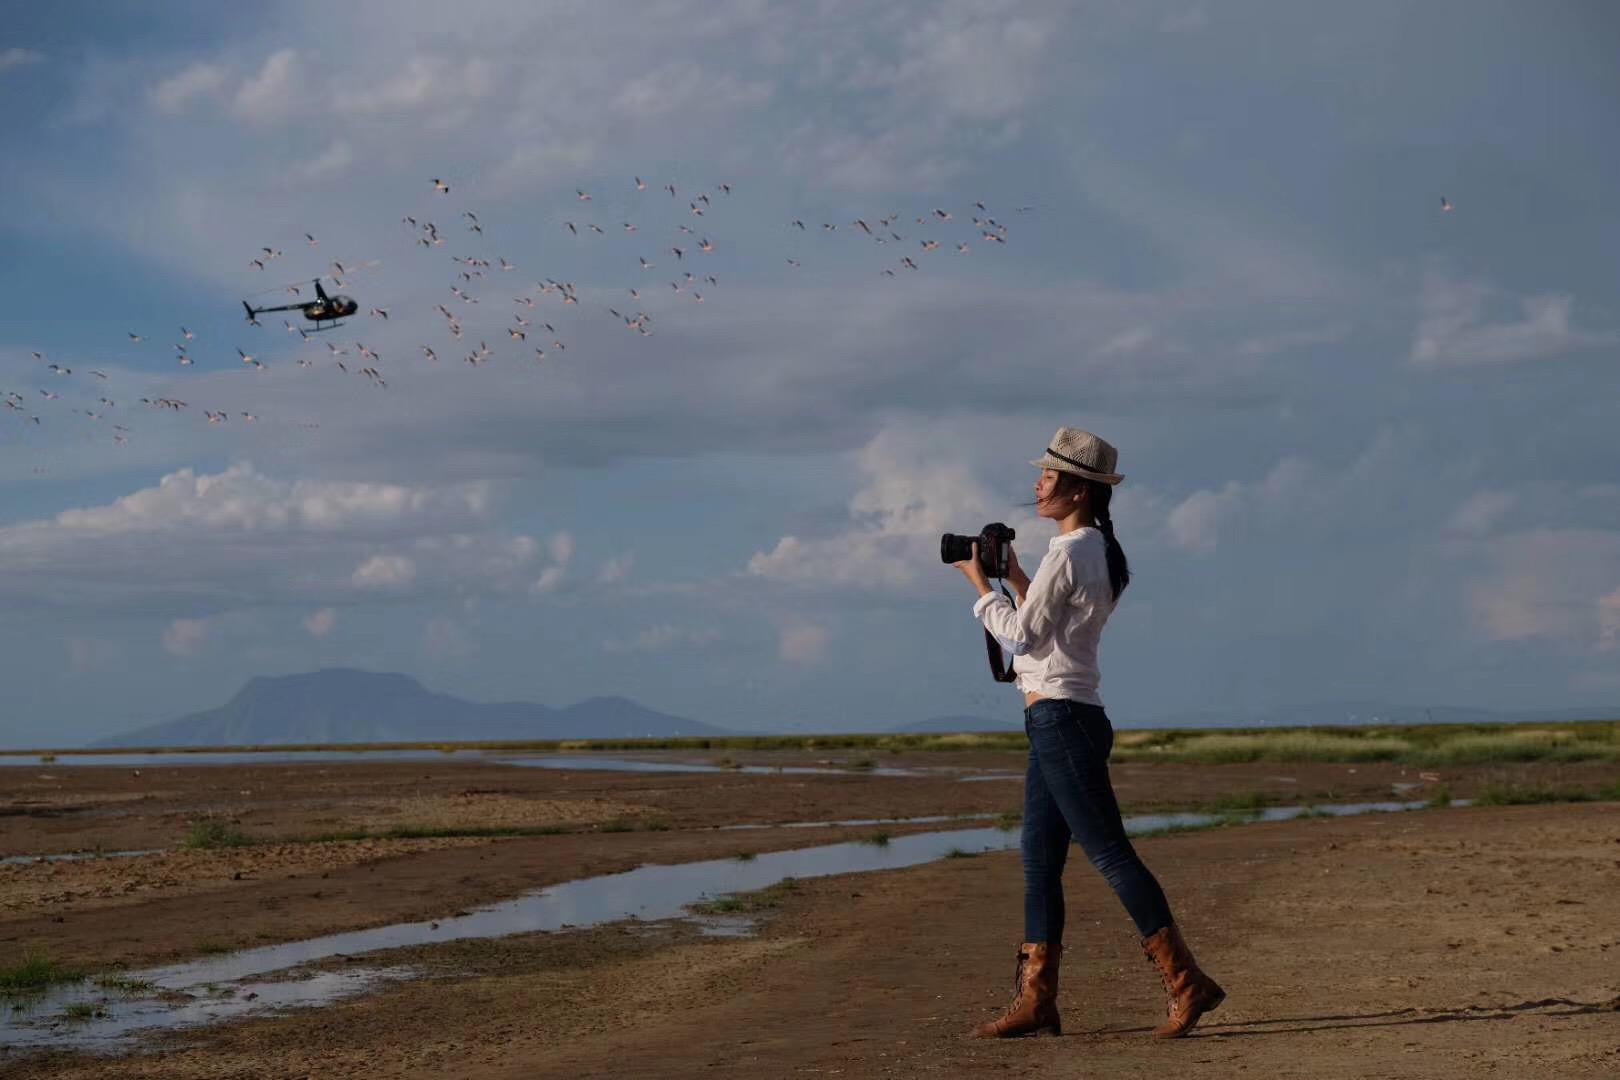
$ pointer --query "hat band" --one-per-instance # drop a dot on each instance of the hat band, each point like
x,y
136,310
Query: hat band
x,y
1077,464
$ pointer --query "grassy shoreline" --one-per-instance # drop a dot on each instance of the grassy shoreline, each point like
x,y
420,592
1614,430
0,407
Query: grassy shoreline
x,y
1422,744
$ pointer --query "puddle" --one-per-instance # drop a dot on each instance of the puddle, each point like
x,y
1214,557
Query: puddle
x,y
850,822
538,761
42,1022
234,757
613,764
75,856
219,987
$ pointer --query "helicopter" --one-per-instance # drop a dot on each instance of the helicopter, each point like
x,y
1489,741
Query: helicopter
x,y
324,308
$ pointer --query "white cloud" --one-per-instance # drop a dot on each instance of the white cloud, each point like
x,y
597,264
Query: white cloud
x,y
1455,330
1480,513
425,79
184,637
562,548
332,161
1609,621
445,639
241,500
802,643
88,654
1195,522
177,91
1127,342
273,93
1312,500
320,623
1554,585
16,58
237,538
664,638
385,572
616,570
915,483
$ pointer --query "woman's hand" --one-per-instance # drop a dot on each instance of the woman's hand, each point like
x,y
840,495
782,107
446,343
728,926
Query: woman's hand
x,y
1015,573
973,571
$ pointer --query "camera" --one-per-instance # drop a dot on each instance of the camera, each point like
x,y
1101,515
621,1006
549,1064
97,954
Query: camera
x,y
995,548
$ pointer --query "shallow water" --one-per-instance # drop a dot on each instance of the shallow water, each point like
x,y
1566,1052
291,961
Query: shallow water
x,y
76,856
235,757
650,892
615,764
492,757
932,819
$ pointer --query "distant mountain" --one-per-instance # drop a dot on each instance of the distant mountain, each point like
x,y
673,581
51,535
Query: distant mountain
x,y
345,705
948,724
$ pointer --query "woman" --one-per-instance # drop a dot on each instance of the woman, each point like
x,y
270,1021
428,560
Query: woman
x,y
1053,636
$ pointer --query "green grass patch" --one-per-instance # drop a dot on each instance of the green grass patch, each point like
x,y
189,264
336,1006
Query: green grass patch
x,y
1243,802
1219,821
877,839
1528,794
1418,744
423,832
744,856
82,1010
958,853
1009,820
747,902
113,980
1438,798
36,971
215,832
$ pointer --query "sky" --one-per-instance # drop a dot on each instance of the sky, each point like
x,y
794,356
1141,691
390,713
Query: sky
x,y
1369,443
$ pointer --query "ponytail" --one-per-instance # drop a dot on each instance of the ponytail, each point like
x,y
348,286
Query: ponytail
x,y
1119,569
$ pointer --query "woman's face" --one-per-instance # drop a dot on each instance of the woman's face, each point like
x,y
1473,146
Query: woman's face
x,y
1045,487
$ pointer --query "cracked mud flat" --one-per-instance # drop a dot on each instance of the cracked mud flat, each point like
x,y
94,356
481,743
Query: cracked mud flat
x,y
1466,942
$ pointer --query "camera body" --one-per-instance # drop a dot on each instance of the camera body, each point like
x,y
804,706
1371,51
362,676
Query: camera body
x,y
995,548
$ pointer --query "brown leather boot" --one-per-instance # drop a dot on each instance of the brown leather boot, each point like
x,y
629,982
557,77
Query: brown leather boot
x,y
1189,991
1034,1006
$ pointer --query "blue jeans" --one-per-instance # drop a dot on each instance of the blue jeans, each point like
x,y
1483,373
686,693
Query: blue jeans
x,y
1067,794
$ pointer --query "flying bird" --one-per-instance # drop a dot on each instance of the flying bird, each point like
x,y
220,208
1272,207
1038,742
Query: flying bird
x,y
444,188
1445,203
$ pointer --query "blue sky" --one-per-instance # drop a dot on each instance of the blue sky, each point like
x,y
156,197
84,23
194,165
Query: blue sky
x,y
1368,443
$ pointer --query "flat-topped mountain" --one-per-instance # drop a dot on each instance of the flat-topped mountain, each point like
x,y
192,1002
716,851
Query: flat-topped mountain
x,y
346,705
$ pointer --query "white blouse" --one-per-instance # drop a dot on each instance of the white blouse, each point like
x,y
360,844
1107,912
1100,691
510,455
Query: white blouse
x,y
1053,637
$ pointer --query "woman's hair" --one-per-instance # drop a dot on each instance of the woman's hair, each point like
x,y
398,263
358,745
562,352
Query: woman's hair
x,y
1100,494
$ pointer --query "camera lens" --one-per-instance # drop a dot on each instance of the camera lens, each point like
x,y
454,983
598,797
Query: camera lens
x,y
954,549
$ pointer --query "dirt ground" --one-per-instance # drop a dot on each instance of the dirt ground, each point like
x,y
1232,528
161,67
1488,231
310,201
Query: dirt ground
x,y
1459,942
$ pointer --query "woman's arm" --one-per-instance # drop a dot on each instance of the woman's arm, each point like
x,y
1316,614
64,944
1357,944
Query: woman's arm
x,y
1044,597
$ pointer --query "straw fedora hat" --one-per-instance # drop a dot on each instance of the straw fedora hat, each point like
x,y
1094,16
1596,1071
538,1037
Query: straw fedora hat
x,y
1082,453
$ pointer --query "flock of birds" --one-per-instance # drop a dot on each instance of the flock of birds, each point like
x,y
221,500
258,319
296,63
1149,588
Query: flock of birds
x,y
540,334
481,280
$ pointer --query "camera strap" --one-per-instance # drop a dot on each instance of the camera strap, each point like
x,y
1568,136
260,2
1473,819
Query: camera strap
x,y
998,663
